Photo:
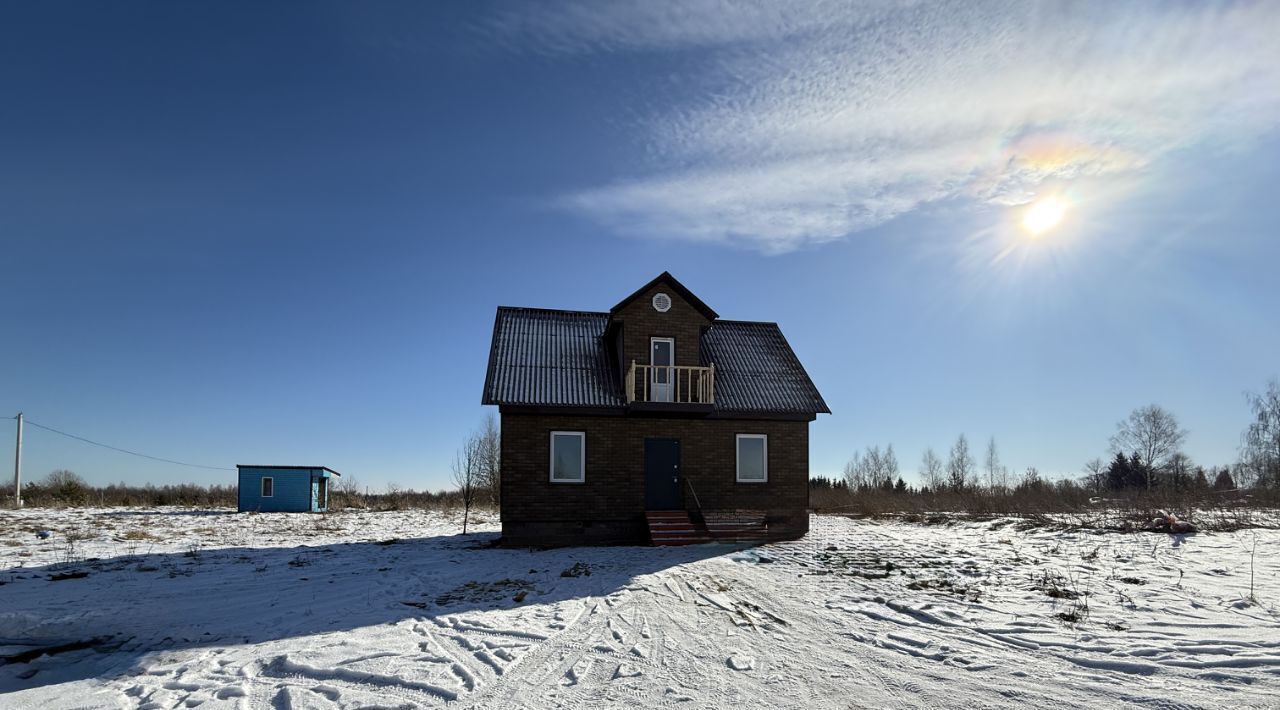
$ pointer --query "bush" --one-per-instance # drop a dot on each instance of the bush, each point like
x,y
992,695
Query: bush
x,y
66,487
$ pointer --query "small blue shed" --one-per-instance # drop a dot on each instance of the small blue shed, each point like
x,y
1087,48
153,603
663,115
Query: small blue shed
x,y
284,489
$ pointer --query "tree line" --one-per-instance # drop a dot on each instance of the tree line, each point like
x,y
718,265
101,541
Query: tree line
x,y
1145,455
67,489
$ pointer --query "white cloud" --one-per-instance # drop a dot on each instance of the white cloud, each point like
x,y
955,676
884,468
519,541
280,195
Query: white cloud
x,y
589,26
829,118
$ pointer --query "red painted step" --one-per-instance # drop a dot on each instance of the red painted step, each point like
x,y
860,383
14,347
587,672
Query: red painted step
x,y
674,527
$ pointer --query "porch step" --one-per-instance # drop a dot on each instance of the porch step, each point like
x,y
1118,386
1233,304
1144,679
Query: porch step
x,y
674,527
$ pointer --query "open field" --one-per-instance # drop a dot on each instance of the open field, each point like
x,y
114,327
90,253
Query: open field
x,y
165,608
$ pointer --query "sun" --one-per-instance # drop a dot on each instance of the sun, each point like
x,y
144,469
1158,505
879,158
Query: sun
x,y
1044,214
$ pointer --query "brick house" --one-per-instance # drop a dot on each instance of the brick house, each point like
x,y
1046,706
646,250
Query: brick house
x,y
655,420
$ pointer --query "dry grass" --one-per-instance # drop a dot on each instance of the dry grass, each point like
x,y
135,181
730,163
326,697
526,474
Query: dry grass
x,y
1068,508
138,535
346,493
38,495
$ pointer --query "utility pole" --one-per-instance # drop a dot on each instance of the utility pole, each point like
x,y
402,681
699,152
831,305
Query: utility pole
x,y
17,466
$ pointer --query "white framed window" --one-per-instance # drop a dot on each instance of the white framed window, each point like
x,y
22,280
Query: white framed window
x,y
753,458
568,456
268,486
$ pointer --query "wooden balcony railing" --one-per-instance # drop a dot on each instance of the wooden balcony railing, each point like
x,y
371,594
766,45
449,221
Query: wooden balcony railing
x,y
678,384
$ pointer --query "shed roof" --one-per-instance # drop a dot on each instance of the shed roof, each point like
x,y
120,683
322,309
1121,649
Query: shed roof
x,y
562,359
301,468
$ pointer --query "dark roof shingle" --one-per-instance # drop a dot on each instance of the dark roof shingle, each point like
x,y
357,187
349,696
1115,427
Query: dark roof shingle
x,y
560,358
547,357
756,370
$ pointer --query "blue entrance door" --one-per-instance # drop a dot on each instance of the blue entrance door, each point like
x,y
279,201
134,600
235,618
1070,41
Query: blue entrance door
x,y
662,474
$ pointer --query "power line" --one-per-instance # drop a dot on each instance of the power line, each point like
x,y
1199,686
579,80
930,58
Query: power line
x,y
123,451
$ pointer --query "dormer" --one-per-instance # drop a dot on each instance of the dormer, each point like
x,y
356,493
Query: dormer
x,y
657,335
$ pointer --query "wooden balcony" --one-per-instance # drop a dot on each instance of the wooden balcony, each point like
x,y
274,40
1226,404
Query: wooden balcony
x,y
671,386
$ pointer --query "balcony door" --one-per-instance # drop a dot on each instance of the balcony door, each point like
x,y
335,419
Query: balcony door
x,y
662,355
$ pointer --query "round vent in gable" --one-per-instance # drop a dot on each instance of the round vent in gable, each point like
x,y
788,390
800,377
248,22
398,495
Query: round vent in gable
x,y
661,302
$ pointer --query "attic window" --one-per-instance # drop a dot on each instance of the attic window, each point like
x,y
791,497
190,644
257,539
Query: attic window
x,y
661,302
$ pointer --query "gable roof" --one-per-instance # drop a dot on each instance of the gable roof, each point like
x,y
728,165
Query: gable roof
x,y
757,371
542,357
676,286
555,358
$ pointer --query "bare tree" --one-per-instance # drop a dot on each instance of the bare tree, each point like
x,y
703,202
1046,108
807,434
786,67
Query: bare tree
x,y
346,494
889,471
863,470
490,453
992,463
1031,478
853,470
62,478
1260,449
1095,474
960,465
1181,470
466,475
1152,434
396,497
871,468
67,486
931,471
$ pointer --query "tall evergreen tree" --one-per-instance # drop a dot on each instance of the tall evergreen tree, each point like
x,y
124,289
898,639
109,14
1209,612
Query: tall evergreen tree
x,y
1118,474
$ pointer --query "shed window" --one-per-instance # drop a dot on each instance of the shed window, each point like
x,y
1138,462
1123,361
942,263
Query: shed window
x,y
753,458
268,486
568,456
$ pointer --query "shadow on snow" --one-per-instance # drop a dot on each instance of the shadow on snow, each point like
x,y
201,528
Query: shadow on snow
x,y
97,618
152,513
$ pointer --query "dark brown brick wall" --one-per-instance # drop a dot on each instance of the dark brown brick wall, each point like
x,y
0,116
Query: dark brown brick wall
x,y
641,322
609,506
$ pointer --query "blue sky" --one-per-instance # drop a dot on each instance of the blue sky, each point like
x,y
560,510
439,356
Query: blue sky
x,y
241,232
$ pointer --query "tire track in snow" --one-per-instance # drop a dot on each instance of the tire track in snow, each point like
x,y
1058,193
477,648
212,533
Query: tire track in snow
x,y
595,657
283,667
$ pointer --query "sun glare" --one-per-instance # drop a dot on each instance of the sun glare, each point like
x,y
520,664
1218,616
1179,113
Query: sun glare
x,y
1044,214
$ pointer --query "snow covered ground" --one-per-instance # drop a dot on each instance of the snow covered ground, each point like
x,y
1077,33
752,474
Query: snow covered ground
x,y
183,608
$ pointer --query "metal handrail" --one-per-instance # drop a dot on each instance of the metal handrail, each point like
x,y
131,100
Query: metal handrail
x,y
696,503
